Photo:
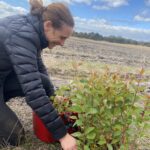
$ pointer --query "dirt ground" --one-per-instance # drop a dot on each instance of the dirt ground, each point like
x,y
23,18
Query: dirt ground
x,y
87,50
105,52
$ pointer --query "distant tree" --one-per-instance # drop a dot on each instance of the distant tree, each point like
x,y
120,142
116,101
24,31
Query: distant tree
x,y
111,38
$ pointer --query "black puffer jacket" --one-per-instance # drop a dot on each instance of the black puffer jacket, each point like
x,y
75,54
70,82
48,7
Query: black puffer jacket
x,y
21,41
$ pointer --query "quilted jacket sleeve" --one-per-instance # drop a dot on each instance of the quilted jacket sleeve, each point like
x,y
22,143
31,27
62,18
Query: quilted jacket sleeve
x,y
23,55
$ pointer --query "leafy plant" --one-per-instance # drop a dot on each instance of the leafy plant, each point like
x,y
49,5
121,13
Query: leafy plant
x,y
113,110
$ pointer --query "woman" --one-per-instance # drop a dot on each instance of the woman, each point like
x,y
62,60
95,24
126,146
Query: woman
x,y
22,72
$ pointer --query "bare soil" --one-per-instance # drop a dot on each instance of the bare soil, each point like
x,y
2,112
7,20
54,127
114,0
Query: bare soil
x,y
105,52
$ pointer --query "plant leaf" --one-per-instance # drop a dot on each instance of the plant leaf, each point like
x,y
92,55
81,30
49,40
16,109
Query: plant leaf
x,y
77,134
76,108
91,136
102,142
89,129
93,111
109,146
86,147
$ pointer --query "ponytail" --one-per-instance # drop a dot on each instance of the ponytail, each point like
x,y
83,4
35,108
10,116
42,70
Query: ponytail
x,y
37,7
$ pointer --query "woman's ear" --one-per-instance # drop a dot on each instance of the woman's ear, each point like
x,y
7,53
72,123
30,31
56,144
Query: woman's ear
x,y
47,26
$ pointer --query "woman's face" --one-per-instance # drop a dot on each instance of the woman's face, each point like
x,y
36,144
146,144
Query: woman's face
x,y
56,36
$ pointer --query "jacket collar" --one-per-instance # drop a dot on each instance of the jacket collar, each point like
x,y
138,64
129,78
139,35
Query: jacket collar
x,y
37,23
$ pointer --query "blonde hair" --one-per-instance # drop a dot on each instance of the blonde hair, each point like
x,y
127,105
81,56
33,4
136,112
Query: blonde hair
x,y
57,13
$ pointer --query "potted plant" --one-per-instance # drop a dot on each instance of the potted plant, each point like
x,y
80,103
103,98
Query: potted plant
x,y
59,102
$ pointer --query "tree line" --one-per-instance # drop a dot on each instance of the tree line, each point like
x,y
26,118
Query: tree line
x,y
114,39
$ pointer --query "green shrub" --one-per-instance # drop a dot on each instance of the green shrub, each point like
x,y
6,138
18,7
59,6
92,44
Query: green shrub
x,y
112,110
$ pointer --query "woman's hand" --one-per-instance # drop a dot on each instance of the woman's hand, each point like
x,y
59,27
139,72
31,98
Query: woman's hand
x,y
68,142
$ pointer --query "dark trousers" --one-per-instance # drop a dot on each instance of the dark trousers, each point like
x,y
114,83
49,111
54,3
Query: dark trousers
x,y
11,130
